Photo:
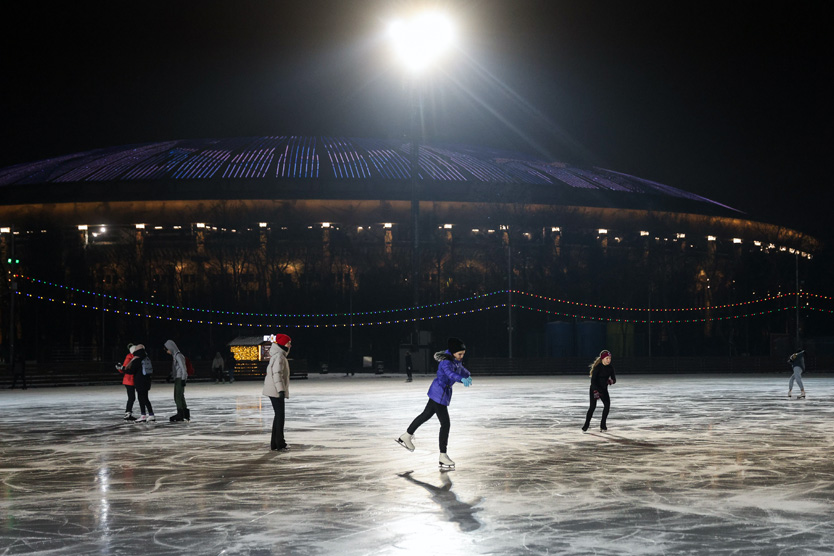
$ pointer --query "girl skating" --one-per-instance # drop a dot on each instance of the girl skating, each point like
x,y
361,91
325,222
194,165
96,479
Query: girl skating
x,y
602,375
450,371
797,363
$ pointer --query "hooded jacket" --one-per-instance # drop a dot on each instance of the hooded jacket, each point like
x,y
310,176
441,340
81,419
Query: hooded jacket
x,y
178,369
449,372
277,377
128,378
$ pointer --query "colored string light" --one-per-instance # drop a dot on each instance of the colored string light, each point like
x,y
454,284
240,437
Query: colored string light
x,y
412,320
420,307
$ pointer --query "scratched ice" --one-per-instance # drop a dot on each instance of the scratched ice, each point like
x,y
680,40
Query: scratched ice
x,y
690,465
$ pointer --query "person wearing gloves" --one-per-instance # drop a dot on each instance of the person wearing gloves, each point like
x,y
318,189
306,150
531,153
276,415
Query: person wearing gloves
x,y
129,383
277,387
180,373
449,371
142,369
797,363
602,376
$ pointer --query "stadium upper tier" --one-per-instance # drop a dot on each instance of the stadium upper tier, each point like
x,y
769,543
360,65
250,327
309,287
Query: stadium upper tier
x,y
293,167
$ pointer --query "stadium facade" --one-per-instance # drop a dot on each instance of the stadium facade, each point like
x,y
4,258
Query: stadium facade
x,y
314,234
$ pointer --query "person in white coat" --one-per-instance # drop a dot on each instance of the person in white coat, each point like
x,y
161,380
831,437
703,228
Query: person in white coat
x,y
277,387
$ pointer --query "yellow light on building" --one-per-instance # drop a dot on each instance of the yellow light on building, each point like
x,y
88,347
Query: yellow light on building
x,y
245,353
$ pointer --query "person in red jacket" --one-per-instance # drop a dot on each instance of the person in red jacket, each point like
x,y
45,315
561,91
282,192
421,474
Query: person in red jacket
x,y
129,383
602,375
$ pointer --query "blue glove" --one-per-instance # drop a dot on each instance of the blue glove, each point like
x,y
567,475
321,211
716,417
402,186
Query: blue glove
x,y
467,382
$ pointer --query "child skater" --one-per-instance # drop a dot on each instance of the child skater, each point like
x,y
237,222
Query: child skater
x,y
797,363
602,375
450,371
128,382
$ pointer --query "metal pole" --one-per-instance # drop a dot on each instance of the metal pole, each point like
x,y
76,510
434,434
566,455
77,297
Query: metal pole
x,y
509,297
12,290
415,209
797,301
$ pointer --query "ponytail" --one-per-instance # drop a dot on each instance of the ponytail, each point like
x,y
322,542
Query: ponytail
x,y
593,365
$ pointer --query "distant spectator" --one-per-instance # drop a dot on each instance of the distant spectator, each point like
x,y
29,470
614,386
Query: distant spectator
x,y
18,369
218,366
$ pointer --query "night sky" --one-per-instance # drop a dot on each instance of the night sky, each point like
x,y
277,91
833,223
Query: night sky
x,y
731,102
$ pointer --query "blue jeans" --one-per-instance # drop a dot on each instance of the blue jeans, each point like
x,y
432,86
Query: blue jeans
x,y
797,376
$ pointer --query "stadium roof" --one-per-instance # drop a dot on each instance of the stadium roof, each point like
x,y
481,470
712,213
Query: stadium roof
x,y
283,167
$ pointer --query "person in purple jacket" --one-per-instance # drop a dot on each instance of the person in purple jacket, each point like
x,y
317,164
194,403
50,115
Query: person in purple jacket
x,y
450,371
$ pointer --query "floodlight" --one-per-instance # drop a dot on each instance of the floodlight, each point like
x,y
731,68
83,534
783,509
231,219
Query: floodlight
x,y
422,39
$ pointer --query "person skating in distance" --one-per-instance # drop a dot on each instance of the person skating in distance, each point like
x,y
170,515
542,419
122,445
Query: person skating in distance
x,y
797,363
449,371
602,375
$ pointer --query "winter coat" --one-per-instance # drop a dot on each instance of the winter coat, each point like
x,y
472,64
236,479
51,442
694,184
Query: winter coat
x,y
797,360
218,362
136,369
600,375
277,378
128,378
178,369
449,372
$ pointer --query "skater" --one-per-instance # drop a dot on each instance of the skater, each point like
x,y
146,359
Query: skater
x,y
129,383
602,375
142,371
450,371
797,363
277,387
408,365
217,367
180,373
18,369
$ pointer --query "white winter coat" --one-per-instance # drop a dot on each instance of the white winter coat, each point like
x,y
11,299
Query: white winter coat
x,y
277,378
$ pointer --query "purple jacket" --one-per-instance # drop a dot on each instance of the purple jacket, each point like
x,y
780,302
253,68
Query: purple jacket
x,y
448,372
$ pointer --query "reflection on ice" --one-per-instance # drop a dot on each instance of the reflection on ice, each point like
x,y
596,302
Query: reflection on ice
x,y
689,465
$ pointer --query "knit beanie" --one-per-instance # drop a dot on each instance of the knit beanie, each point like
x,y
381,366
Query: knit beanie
x,y
455,345
282,339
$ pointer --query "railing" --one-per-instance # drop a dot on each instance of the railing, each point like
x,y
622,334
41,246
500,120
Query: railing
x,y
87,373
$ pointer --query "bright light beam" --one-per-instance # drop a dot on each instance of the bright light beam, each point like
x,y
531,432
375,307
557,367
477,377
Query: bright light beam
x,y
422,40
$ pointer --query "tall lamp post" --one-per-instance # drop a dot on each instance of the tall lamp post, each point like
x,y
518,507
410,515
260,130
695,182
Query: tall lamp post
x,y
418,42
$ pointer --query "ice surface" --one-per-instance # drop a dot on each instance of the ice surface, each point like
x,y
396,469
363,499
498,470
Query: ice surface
x,y
690,465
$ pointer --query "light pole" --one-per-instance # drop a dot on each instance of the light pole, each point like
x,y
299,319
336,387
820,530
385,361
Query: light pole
x,y
418,42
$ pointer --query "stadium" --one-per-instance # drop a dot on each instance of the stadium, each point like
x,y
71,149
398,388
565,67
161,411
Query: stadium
x,y
206,240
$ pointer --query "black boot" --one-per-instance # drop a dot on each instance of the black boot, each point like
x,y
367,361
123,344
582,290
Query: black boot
x,y
177,417
187,414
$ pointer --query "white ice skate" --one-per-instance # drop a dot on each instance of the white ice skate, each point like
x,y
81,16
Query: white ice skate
x,y
446,462
801,396
129,416
405,441
151,419
142,419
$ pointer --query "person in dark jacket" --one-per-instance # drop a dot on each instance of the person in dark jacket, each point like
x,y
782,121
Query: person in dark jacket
x,y
602,375
449,371
142,371
797,363
18,369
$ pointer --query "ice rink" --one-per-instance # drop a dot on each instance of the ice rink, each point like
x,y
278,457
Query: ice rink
x,y
689,465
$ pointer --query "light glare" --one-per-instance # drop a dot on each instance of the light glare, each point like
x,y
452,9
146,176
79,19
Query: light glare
x,y
421,40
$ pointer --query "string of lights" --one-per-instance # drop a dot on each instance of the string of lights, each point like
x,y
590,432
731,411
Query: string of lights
x,y
659,310
238,313
411,320
420,307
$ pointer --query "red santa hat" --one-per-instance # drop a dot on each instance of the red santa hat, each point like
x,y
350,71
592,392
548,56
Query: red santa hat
x,y
282,339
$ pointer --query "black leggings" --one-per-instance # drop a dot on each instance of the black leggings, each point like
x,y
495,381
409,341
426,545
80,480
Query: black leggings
x,y
131,397
606,403
442,412
143,385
